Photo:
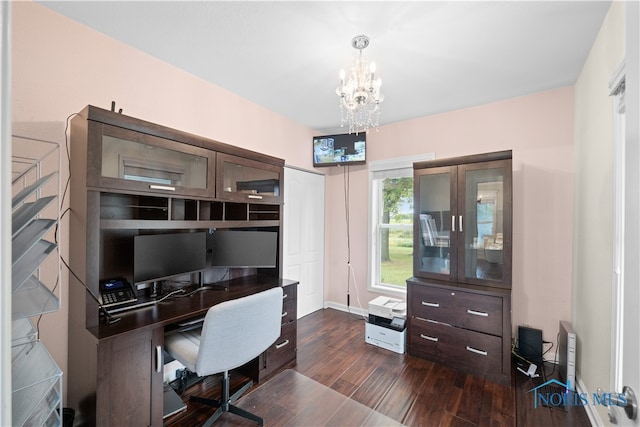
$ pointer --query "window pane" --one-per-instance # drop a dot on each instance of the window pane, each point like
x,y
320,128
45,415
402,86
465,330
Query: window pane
x,y
395,257
398,265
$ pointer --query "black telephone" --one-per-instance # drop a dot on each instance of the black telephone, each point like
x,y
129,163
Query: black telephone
x,y
115,292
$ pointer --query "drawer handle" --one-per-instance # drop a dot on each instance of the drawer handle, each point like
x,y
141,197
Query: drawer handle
x,y
279,346
158,358
476,351
254,196
284,314
478,313
161,187
427,337
431,304
284,296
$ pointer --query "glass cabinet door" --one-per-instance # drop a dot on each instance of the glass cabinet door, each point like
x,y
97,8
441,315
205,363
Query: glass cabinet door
x,y
241,179
131,160
433,222
482,222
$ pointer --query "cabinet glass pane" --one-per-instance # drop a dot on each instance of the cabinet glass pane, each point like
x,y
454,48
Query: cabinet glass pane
x,y
246,179
483,224
434,240
135,161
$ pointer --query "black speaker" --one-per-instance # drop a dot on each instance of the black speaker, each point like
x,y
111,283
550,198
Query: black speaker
x,y
530,344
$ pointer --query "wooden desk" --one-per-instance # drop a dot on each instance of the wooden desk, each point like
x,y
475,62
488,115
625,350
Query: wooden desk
x,y
116,371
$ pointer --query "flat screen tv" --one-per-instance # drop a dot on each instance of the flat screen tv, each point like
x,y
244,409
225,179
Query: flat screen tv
x,y
244,248
160,256
343,149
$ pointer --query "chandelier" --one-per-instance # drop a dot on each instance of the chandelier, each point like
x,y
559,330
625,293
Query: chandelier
x,y
360,96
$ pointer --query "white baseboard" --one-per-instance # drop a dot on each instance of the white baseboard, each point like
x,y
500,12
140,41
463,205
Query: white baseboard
x,y
343,307
592,414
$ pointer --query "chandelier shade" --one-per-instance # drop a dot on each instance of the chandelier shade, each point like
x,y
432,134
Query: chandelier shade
x,y
359,92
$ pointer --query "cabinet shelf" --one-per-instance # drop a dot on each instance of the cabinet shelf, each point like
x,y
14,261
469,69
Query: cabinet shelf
x,y
117,206
122,224
161,208
127,211
127,224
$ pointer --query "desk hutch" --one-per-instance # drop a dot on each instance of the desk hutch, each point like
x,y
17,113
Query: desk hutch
x,y
459,300
132,177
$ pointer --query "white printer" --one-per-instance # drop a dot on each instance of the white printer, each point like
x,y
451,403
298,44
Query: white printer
x,y
386,325
387,307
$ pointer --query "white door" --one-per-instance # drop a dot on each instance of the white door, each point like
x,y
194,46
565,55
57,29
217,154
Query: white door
x,y
303,246
625,373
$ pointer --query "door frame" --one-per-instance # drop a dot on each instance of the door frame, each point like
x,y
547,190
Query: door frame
x,y
304,307
625,320
617,91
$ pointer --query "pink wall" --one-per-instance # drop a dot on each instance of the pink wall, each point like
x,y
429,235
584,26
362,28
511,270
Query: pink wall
x,y
60,66
539,130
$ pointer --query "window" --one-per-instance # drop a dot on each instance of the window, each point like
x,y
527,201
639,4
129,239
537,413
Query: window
x,y
391,224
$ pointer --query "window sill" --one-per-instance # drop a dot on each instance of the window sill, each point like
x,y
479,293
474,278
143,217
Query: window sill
x,y
390,290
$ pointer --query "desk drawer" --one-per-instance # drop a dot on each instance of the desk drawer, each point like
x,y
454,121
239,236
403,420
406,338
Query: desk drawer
x,y
472,351
469,310
289,293
283,350
289,311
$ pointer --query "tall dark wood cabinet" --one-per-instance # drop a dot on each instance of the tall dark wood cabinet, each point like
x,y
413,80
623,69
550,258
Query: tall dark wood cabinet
x,y
459,300
130,177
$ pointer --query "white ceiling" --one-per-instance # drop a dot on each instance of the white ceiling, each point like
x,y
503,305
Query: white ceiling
x,y
432,56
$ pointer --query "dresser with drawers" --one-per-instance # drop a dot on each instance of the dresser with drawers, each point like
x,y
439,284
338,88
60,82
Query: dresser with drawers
x,y
465,327
459,300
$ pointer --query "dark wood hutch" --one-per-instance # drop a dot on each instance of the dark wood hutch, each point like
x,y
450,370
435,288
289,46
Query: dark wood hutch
x,y
131,177
459,300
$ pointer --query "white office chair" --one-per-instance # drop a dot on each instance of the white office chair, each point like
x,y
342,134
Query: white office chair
x,y
233,333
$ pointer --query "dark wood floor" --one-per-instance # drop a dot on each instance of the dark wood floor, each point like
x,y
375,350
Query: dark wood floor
x,y
415,392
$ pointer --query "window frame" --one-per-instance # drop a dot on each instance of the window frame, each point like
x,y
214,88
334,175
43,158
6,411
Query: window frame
x,y
378,170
